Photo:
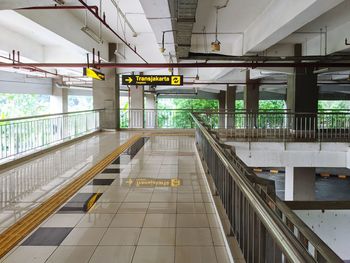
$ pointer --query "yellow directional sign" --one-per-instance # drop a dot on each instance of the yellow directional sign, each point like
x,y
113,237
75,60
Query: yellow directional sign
x,y
158,80
93,73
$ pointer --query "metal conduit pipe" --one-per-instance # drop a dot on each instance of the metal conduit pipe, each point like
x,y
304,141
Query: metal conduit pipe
x,y
124,17
103,21
185,65
233,83
70,7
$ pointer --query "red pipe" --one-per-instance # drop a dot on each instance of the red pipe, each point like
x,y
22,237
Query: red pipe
x,y
111,29
186,65
233,83
70,7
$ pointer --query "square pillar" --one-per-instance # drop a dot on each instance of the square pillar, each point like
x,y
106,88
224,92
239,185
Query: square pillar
x,y
300,183
106,95
251,94
136,107
302,90
222,106
150,110
58,100
302,97
230,105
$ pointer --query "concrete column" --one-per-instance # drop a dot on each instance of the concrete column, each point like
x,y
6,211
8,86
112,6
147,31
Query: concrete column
x,y
251,94
222,106
106,95
58,100
230,105
302,97
300,183
302,90
136,118
150,110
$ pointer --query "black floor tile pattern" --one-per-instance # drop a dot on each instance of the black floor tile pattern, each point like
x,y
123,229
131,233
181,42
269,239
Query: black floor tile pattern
x,y
111,171
54,236
48,236
101,182
81,197
77,204
122,159
72,208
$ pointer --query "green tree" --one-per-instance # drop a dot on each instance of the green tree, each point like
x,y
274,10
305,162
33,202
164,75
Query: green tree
x,y
19,105
179,117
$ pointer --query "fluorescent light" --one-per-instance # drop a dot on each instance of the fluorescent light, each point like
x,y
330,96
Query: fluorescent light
x,y
92,34
322,70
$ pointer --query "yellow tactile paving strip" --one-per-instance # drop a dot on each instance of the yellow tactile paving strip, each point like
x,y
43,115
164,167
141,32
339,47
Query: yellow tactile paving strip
x,y
14,234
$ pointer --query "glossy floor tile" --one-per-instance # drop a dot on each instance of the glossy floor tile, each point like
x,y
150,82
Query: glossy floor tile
x,y
153,206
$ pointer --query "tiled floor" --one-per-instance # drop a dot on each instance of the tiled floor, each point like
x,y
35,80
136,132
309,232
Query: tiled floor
x,y
27,185
167,217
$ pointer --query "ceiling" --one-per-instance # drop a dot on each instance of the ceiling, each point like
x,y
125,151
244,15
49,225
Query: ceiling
x,y
55,35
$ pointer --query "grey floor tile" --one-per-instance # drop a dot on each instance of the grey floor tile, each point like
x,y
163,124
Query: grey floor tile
x,y
113,254
160,220
157,236
72,254
84,237
193,237
121,236
47,236
30,254
128,220
193,254
154,254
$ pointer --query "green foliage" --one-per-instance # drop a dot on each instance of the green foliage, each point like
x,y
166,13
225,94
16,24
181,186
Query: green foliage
x,y
272,104
333,105
79,103
178,118
239,105
18,105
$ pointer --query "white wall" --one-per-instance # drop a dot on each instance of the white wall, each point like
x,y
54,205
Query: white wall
x,y
332,226
22,84
265,154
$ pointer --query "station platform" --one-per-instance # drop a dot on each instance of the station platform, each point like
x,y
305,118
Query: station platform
x,y
143,199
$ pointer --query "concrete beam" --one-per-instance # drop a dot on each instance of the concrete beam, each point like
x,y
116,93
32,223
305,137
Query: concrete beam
x,y
300,184
59,24
280,19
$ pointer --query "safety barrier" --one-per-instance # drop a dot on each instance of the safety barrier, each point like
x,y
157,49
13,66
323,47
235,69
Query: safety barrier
x,y
23,135
265,228
281,125
156,118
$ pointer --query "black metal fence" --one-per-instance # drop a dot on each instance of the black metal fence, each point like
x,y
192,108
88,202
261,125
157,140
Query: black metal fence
x,y
265,228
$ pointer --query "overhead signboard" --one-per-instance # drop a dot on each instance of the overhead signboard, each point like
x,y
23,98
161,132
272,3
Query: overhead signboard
x,y
157,80
93,73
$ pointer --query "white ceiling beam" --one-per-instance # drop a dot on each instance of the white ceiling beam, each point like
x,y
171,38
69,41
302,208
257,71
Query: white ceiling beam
x,y
280,19
30,49
67,26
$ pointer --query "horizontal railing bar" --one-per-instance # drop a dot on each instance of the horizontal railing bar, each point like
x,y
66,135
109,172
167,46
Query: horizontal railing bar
x,y
318,205
287,242
315,240
48,115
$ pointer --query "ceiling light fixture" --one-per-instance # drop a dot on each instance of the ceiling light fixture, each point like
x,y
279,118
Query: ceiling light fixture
x,y
197,76
215,46
162,49
92,34
60,2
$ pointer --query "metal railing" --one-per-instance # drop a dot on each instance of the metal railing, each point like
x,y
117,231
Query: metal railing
x,y
265,228
280,125
156,118
23,135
